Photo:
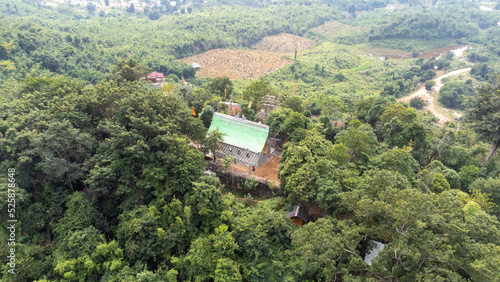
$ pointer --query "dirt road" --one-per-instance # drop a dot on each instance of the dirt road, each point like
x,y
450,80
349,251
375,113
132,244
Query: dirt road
x,y
422,92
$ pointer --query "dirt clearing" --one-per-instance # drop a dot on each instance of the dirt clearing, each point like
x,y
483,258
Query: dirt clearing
x,y
236,64
266,171
283,43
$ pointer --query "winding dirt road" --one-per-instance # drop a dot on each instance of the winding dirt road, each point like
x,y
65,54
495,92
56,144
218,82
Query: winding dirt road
x,y
422,92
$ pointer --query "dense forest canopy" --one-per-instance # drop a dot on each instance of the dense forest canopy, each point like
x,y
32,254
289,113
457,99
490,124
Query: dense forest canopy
x,y
111,174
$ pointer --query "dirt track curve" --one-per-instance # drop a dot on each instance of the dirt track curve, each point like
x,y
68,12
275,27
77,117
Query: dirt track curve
x,y
423,92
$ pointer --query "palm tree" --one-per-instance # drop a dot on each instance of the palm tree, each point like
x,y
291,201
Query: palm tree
x,y
212,140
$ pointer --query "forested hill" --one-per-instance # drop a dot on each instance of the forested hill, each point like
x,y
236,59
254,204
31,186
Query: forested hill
x,y
87,48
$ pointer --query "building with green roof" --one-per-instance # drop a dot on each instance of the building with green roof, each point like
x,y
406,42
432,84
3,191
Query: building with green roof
x,y
244,140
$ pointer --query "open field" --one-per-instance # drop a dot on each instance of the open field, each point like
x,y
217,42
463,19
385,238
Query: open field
x,y
283,43
387,53
236,64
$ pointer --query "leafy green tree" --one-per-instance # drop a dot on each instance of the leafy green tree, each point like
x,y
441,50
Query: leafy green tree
x,y
221,86
417,103
276,119
360,142
213,257
228,160
206,116
453,95
468,174
62,150
263,235
294,103
405,115
212,141
255,91
91,7
490,186
429,84
131,8
484,116
128,70
439,183
295,121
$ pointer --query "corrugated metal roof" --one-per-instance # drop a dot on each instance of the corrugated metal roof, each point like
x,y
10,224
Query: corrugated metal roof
x,y
298,211
241,133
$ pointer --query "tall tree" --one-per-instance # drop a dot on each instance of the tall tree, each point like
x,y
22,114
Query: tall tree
x,y
212,141
484,114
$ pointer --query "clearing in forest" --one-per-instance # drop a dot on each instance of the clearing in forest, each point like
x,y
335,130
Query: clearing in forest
x,y
283,43
236,64
387,53
333,29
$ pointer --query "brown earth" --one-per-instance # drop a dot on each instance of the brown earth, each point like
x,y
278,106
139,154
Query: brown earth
x,y
283,43
332,29
236,64
434,53
267,171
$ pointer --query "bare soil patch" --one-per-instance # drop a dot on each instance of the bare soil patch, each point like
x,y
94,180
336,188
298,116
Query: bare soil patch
x,y
267,171
434,53
236,64
333,28
283,43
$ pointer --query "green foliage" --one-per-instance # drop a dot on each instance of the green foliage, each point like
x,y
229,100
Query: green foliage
x,y
489,186
439,183
453,95
228,160
417,103
255,91
276,119
429,84
212,141
221,86
206,116
359,141
250,183
294,103
432,24
484,117
468,174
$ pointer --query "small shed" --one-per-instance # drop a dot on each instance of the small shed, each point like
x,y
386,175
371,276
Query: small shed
x,y
298,215
196,66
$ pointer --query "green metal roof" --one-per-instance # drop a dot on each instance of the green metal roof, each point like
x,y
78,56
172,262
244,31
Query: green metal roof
x,y
241,133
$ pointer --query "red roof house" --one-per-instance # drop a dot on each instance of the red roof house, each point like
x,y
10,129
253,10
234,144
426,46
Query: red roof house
x,y
233,109
155,77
